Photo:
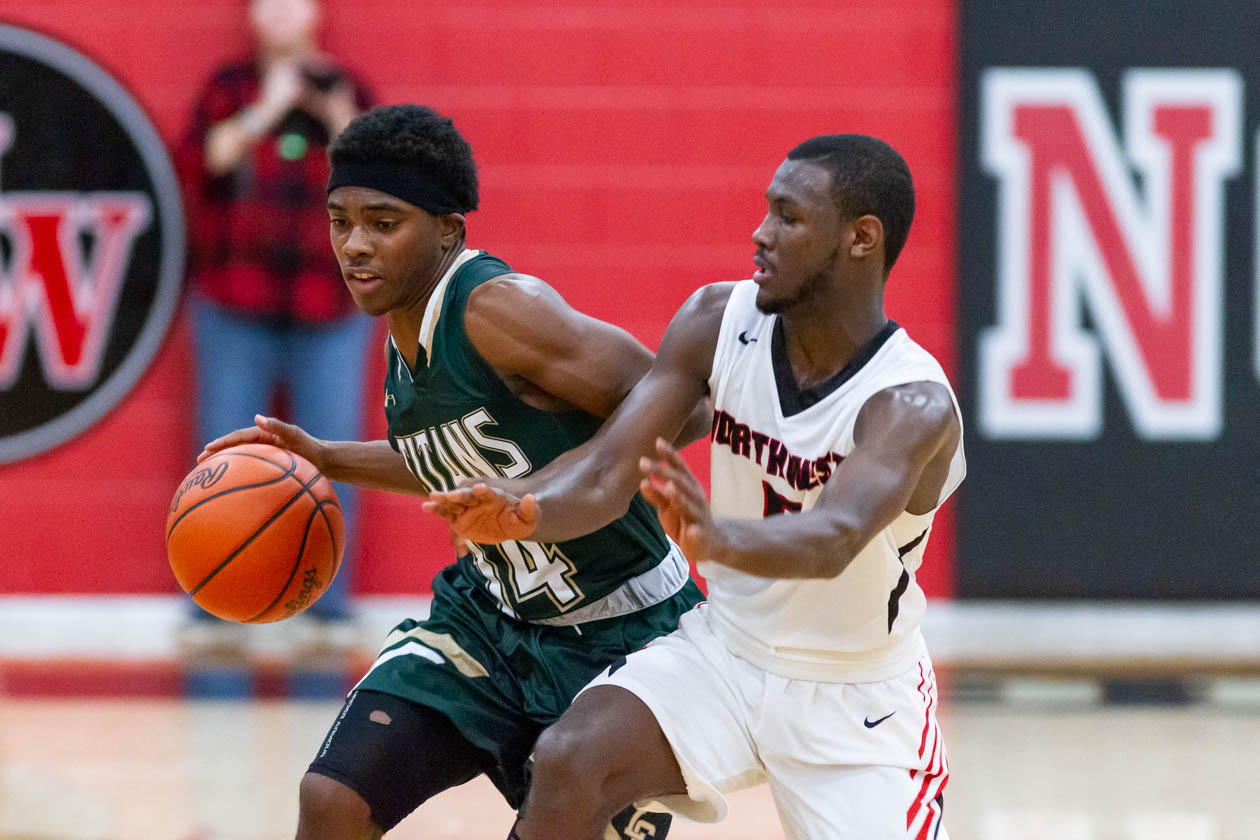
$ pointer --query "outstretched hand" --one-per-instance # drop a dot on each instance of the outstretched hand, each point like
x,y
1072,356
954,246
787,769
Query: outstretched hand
x,y
271,431
681,505
483,514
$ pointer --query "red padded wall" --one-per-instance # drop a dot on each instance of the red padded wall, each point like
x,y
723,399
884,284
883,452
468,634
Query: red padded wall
x,y
623,151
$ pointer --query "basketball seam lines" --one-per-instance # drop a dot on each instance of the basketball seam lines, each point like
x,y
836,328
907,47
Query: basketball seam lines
x,y
306,533
288,471
319,506
253,536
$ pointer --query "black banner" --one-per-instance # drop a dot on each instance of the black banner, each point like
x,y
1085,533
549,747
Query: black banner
x,y
1109,316
91,243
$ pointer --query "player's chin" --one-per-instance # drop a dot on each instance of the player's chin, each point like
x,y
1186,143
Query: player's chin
x,y
768,303
369,304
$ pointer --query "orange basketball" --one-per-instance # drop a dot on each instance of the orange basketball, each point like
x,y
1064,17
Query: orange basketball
x,y
255,534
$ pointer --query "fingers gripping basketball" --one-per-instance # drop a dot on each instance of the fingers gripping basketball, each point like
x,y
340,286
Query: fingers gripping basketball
x,y
254,534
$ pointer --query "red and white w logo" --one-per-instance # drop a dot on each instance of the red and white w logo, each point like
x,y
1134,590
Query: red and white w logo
x,y
1074,233
63,277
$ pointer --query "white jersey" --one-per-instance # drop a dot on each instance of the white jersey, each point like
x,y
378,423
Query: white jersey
x,y
773,447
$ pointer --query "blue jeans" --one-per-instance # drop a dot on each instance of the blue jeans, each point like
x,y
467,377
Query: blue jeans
x,y
241,361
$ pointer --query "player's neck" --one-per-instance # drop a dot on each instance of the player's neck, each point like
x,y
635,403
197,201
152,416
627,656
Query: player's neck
x,y
821,340
405,322
405,332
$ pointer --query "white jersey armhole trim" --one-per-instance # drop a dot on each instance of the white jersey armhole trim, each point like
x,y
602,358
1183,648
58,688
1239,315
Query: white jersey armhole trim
x,y
928,373
722,354
432,312
958,461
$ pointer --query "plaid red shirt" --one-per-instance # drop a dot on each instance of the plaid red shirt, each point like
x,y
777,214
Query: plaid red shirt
x,y
258,235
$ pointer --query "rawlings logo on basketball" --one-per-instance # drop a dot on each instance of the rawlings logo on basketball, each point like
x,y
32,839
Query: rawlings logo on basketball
x,y
258,542
310,585
92,229
205,478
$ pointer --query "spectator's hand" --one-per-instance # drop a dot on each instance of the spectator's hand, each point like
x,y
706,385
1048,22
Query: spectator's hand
x,y
282,87
229,140
334,108
271,431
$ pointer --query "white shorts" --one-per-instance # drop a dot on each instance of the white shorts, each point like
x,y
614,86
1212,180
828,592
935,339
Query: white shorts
x,y
844,761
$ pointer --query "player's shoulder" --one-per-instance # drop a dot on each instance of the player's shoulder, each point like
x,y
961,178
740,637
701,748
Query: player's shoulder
x,y
510,283
707,304
691,340
712,295
922,410
510,296
509,312
927,398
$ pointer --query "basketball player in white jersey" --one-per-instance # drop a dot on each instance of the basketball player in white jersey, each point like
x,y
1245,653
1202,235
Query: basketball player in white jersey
x,y
836,439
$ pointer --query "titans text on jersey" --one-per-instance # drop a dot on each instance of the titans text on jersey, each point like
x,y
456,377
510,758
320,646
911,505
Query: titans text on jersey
x,y
440,456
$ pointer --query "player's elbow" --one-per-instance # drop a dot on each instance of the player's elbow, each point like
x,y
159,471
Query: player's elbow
x,y
842,542
610,504
612,488
831,566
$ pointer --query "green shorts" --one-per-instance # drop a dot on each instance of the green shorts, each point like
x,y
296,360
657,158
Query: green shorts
x,y
502,681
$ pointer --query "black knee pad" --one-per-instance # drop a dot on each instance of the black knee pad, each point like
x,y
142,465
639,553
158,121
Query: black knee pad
x,y
396,754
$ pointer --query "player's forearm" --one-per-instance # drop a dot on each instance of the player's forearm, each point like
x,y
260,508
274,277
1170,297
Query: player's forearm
x,y
583,497
372,464
699,424
789,546
590,487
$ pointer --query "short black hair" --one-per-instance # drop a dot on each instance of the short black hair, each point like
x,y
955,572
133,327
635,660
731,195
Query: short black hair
x,y
868,177
412,135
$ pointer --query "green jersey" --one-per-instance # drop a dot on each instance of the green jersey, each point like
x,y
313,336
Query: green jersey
x,y
452,418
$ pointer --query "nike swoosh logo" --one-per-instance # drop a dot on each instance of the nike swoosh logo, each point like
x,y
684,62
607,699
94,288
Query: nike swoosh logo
x,y
744,339
871,724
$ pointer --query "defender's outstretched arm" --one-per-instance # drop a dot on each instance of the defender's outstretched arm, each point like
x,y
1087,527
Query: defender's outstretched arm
x,y
592,485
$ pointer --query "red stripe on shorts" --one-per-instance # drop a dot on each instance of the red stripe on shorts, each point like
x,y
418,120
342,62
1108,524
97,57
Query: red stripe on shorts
x,y
927,792
927,712
934,817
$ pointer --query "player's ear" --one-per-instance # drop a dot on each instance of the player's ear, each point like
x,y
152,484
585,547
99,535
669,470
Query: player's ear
x,y
868,237
451,226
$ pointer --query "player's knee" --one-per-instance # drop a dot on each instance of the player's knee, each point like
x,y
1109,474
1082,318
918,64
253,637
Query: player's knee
x,y
329,809
565,762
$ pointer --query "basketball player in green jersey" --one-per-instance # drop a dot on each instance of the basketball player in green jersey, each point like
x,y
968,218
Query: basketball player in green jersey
x,y
488,372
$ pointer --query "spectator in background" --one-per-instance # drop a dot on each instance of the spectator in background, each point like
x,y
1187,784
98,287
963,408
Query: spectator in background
x,y
270,311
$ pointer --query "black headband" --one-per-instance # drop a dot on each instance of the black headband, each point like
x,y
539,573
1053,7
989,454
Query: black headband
x,y
399,180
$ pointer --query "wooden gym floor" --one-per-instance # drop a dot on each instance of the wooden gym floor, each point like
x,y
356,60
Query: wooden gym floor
x,y
1056,767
